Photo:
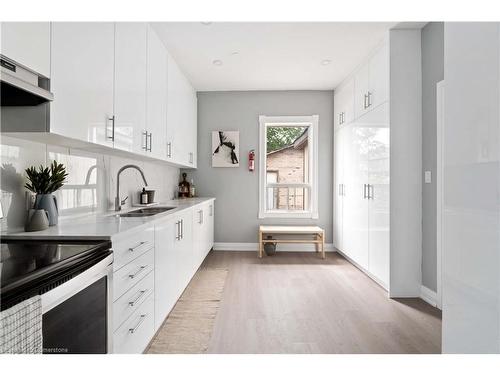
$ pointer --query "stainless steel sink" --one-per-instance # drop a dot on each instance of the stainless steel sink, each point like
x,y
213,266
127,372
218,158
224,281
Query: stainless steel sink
x,y
149,211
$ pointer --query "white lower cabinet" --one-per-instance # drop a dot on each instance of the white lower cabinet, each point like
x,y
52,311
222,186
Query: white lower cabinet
x,y
203,229
133,290
167,273
133,336
152,267
182,243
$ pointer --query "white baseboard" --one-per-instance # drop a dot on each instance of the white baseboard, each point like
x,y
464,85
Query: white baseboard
x,y
254,246
366,272
428,296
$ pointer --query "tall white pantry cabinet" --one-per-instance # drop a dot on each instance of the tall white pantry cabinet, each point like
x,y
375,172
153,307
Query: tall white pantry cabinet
x,y
376,174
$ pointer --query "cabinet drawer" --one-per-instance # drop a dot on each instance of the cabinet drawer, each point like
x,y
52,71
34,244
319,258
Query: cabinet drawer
x,y
134,334
130,274
125,249
124,306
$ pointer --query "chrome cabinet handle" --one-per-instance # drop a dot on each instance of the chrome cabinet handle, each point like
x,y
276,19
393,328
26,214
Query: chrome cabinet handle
x,y
191,158
178,234
169,149
145,144
112,119
142,268
369,96
182,229
141,319
132,249
141,293
150,136
200,212
364,191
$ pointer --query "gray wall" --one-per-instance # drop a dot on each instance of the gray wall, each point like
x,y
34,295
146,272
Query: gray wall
x,y
432,72
237,189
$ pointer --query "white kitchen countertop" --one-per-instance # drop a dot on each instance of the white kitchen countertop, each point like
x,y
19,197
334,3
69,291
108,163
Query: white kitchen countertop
x,y
102,226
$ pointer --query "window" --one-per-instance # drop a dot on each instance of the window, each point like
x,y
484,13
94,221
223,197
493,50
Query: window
x,y
288,168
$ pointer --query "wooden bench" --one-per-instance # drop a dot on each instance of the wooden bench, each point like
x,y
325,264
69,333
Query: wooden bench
x,y
318,236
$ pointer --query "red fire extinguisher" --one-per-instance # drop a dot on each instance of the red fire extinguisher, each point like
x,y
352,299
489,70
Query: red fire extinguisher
x,y
251,160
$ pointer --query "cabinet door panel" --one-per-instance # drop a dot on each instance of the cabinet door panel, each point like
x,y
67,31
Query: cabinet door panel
x,y
379,76
181,117
361,87
167,287
82,66
338,181
130,85
379,203
27,43
157,96
355,206
175,120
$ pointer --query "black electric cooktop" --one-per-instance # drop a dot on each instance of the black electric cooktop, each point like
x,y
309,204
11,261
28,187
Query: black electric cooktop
x,y
28,264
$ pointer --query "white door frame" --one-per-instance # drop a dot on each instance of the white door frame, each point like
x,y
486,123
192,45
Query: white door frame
x,y
439,189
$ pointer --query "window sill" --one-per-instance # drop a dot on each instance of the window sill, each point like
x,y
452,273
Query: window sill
x,y
288,215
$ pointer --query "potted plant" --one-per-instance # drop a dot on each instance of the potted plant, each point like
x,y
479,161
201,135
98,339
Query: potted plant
x,y
43,182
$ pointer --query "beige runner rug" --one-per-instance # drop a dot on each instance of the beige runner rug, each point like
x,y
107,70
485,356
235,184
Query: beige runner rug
x,y
189,326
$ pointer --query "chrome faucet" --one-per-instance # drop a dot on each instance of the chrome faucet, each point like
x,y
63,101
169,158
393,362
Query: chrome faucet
x,y
118,201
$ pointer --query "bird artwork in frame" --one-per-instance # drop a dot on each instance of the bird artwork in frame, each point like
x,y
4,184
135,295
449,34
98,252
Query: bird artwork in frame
x,y
225,149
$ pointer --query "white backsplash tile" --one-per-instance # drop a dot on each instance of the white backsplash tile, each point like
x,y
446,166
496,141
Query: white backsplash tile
x,y
91,183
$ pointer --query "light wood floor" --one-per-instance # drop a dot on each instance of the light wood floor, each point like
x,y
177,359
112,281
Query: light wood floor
x,y
298,303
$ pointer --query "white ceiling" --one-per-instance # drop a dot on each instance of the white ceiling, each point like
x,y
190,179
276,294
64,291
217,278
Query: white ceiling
x,y
269,56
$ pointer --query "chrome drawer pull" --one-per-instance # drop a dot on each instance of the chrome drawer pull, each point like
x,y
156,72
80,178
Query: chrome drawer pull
x,y
140,244
138,272
141,293
141,320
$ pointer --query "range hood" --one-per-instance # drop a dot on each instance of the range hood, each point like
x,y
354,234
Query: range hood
x,y
21,86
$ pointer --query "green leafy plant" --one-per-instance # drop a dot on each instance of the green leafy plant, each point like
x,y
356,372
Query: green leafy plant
x,y
279,137
45,180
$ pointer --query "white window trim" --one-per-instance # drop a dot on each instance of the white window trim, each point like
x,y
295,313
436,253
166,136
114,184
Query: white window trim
x,y
312,122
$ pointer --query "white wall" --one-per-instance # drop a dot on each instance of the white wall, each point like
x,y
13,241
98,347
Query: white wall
x,y
432,73
406,163
471,220
76,197
237,189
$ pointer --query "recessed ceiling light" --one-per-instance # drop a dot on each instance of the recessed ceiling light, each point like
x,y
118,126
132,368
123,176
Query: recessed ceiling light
x,y
206,23
326,62
235,53
217,62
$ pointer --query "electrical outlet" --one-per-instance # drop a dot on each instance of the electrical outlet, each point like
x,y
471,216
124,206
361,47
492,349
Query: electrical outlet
x,y
428,177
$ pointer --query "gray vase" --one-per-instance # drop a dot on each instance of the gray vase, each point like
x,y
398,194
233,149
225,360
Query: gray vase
x,y
36,220
48,202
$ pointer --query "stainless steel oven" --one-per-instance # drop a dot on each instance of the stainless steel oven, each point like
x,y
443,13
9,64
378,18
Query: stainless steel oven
x,y
74,280
77,314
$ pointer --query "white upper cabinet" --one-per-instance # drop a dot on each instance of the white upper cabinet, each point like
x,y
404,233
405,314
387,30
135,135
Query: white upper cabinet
x,y
344,104
156,132
130,85
379,77
27,43
114,85
181,117
361,89
372,82
82,72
